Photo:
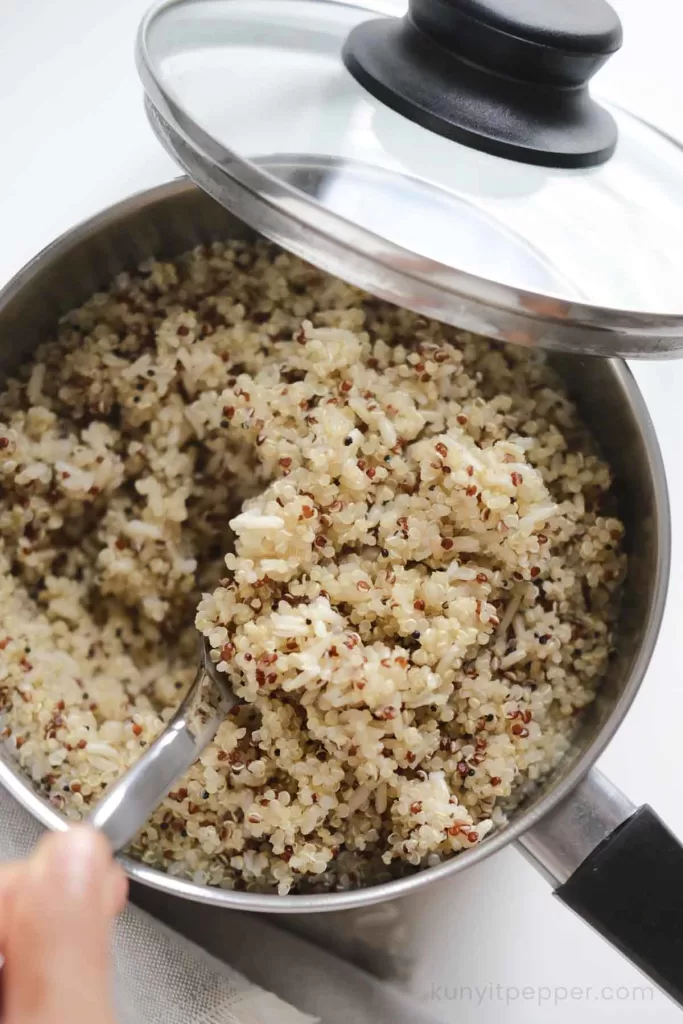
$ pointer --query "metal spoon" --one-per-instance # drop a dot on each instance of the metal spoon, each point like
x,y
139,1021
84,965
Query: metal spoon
x,y
130,801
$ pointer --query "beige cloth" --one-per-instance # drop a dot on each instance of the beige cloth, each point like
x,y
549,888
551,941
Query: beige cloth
x,y
162,978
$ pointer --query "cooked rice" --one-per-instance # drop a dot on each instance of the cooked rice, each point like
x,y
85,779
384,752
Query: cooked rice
x,y
418,596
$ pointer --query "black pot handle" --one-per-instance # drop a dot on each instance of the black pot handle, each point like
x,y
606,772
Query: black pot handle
x,y
509,77
629,886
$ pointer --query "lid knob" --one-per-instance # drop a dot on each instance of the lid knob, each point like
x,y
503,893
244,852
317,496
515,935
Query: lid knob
x,y
509,77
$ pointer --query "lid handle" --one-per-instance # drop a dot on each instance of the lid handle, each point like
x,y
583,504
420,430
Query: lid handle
x,y
508,77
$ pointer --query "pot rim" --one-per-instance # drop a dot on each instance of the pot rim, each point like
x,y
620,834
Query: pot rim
x,y
19,786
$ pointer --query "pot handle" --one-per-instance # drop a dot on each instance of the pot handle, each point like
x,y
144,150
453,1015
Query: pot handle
x,y
621,870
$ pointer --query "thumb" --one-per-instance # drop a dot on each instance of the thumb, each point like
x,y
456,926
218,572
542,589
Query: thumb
x,y
57,932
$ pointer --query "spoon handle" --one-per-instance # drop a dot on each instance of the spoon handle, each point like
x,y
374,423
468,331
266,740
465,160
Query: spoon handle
x,y
130,801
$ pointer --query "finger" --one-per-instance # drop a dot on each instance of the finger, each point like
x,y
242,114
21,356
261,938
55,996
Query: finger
x,y
9,875
10,878
57,932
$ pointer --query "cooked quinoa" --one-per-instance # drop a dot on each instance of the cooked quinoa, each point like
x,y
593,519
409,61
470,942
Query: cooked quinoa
x,y
417,599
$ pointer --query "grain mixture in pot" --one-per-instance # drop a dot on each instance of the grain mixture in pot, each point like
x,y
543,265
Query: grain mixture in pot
x,y
419,590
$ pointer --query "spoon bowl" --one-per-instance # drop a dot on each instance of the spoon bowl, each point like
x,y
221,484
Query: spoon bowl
x,y
130,801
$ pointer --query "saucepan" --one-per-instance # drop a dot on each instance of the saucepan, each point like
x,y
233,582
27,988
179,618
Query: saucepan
x,y
619,867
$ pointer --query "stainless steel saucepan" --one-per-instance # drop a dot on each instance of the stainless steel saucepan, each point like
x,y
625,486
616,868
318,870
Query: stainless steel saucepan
x,y
617,866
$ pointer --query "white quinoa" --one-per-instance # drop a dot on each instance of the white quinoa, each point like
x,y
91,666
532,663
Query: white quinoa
x,y
417,601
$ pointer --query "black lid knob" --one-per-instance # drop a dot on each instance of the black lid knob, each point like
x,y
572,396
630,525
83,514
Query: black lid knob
x,y
509,77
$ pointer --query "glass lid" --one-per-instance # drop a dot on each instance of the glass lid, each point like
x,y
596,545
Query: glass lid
x,y
522,209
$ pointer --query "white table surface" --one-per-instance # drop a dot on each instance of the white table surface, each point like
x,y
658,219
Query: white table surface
x,y
74,139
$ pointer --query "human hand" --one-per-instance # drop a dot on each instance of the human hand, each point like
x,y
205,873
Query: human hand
x,y
56,911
